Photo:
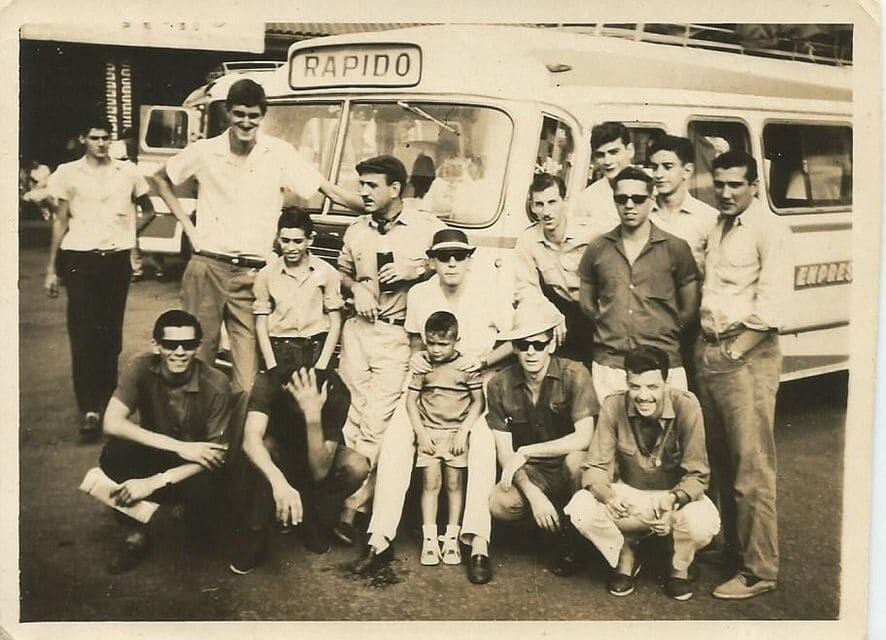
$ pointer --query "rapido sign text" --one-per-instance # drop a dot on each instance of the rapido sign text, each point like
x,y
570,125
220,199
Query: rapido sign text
x,y
355,66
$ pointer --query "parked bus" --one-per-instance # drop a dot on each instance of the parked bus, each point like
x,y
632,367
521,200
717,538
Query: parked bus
x,y
474,111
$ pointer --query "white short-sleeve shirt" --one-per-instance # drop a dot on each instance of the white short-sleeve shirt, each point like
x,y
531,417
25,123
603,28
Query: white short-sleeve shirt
x,y
101,201
239,199
481,317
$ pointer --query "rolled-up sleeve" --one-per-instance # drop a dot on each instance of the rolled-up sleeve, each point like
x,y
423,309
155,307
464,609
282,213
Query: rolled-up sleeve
x,y
598,470
526,284
696,471
262,304
774,281
332,300
346,257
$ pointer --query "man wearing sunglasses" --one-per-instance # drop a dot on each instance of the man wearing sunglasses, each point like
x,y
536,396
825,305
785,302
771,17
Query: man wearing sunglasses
x,y
183,407
242,178
482,321
639,285
541,411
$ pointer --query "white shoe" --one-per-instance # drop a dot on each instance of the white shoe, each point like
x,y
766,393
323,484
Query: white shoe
x,y
451,552
430,552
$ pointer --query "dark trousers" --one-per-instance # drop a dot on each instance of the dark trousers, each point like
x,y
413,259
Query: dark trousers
x,y
321,499
122,460
579,343
97,285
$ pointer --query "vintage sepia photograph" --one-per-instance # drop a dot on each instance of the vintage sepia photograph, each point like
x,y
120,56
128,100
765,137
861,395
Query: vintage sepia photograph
x,y
536,318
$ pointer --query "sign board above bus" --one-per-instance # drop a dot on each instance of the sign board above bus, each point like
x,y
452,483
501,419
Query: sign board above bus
x,y
368,65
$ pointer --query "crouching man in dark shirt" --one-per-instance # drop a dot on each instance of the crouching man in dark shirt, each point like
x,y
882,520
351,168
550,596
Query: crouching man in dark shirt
x,y
172,453
651,439
300,472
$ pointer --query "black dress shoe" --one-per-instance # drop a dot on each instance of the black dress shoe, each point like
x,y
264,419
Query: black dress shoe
x,y
479,569
370,562
566,564
132,551
316,539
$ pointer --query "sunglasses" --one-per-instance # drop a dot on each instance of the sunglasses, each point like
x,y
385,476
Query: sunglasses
x,y
637,198
187,345
445,256
523,345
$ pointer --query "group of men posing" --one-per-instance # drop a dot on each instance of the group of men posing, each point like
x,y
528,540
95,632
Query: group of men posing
x,y
578,389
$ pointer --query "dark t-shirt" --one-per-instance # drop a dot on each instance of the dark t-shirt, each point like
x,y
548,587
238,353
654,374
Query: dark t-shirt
x,y
286,422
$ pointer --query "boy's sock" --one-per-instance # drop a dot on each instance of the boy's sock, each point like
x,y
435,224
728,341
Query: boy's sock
x,y
429,531
452,531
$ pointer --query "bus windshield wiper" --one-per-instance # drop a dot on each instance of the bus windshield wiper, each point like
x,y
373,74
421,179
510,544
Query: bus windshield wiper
x,y
427,116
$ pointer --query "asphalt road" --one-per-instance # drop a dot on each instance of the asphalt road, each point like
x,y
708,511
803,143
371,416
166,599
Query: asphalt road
x,y
67,538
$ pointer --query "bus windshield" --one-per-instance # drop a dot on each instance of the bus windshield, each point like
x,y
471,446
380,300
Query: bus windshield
x,y
455,156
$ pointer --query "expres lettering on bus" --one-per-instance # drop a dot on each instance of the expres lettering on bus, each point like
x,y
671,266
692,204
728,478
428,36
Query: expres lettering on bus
x,y
376,65
822,274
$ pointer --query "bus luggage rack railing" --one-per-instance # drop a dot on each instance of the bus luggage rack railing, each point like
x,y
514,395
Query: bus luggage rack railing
x,y
819,44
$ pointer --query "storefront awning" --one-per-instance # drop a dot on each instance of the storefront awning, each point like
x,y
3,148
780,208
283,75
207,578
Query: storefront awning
x,y
212,36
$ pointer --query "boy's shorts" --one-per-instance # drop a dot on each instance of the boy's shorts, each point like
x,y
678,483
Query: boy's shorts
x,y
443,437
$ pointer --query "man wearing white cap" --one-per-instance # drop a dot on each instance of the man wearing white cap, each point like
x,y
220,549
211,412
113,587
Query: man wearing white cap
x,y
650,437
541,411
482,320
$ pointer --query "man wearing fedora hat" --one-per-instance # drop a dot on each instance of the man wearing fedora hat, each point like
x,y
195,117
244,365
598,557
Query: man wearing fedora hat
x,y
541,411
482,321
382,257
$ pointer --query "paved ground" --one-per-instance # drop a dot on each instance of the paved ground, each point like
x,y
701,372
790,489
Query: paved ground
x,y
67,537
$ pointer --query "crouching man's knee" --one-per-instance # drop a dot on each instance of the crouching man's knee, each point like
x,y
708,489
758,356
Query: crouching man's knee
x,y
697,522
353,468
506,504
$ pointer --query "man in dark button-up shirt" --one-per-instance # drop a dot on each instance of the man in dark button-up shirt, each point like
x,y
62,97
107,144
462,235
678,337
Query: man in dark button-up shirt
x,y
651,439
639,284
183,407
541,411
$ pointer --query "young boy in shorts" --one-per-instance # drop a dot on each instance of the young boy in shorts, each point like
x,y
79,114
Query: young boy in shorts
x,y
442,405
297,299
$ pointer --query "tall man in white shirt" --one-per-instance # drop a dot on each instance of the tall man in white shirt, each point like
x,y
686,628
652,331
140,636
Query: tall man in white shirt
x,y
241,176
611,151
747,278
94,230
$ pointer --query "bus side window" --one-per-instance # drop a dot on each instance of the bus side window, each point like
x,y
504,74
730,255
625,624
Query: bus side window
x,y
808,165
642,139
710,139
555,149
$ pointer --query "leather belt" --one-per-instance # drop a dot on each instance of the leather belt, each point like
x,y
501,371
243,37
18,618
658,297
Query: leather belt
x,y
237,261
399,322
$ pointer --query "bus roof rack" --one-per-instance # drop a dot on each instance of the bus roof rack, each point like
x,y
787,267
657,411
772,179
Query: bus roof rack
x,y
828,44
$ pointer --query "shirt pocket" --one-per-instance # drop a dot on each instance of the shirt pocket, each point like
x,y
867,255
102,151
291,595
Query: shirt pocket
x,y
661,285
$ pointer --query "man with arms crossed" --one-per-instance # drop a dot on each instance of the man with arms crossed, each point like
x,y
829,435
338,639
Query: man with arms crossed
x,y
183,406
241,177
465,294
651,438
639,286
747,278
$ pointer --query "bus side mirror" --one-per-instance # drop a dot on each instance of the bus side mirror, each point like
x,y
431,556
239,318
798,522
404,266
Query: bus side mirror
x,y
168,129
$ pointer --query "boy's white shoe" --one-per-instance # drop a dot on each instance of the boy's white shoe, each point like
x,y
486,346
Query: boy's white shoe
x,y
430,552
451,552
